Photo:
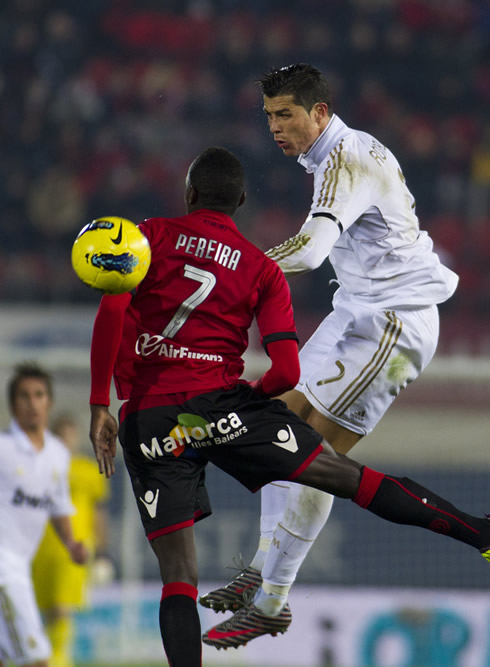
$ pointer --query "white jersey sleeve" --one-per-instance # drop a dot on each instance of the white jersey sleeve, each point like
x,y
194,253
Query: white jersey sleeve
x,y
309,248
343,191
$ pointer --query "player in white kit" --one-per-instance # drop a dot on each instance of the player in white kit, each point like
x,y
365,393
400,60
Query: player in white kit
x,y
381,334
33,490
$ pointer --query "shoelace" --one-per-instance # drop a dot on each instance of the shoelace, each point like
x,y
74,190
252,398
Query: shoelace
x,y
238,564
248,596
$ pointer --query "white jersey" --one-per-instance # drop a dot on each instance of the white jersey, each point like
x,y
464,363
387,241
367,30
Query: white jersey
x,y
33,488
381,257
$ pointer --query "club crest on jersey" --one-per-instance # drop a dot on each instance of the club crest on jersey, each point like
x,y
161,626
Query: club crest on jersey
x,y
195,432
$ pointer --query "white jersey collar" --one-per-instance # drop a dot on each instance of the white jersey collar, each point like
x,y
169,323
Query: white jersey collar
x,y
328,139
22,438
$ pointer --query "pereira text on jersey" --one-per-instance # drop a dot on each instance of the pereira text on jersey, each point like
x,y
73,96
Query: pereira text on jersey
x,y
209,249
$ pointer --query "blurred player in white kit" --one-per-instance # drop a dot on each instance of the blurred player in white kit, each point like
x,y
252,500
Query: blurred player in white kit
x,y
33,490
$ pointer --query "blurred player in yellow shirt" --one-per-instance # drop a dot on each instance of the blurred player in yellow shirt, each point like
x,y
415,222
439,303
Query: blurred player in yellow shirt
x,y
60,585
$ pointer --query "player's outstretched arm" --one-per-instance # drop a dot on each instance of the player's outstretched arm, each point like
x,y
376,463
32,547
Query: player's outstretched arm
x,y
106,338
77,550
309,248
103,434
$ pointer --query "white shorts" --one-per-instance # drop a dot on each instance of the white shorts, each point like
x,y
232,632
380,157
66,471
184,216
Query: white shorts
x,y
22,637
359,359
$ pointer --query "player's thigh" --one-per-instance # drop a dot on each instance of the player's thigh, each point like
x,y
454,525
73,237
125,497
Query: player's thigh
x,y
341,438
22,637
264,440
379,353
297,402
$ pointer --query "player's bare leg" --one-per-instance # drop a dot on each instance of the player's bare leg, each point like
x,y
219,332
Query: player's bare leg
x,y
179,621
396,499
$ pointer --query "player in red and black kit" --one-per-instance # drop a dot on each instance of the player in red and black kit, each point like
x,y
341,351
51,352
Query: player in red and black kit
x,y
174,348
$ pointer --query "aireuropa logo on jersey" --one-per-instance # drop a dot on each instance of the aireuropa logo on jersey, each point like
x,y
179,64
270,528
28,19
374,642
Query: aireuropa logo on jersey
x,y
159,346
194,431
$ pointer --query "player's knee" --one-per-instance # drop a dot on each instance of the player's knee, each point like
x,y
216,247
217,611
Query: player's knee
x,y
333,473
298,403
311,500
306,511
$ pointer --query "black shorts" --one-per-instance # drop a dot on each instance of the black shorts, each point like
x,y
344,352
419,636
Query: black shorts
x,y
166,448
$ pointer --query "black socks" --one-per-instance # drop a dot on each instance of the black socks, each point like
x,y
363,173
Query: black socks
x,y
401,500
180,626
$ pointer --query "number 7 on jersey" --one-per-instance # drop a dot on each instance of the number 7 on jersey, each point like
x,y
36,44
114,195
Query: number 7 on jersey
x,y
208,281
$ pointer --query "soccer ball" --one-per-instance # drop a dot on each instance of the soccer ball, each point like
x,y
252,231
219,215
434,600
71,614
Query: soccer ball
x,y
111,254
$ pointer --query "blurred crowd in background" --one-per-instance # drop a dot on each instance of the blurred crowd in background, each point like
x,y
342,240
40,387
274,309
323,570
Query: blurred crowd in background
x,y
103,104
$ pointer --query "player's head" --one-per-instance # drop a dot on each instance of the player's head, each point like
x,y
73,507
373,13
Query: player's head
x,y
66,427
298,106
215,180
30,396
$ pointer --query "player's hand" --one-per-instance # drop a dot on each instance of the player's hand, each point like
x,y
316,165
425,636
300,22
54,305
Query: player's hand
x,y
103,434
78,552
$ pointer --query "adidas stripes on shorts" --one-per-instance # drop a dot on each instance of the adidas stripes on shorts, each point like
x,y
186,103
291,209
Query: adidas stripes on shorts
x,y
360,358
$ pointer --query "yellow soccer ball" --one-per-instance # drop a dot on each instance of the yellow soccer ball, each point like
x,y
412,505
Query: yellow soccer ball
x,y
111,255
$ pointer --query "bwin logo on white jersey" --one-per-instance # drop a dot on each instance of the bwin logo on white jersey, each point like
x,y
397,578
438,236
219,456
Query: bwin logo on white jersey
x,y
150,502
287,439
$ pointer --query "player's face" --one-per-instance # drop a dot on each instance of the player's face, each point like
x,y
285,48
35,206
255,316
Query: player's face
x,y
32,404
294,129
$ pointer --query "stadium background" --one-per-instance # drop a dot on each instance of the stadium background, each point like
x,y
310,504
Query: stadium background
x,y
103,105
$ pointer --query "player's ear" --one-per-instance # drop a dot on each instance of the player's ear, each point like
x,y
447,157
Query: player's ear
x,y
191,195
320,111
242,199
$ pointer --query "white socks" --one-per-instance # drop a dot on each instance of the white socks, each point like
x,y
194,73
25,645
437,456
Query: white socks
x,y
259,559
271,599
273,498
300,513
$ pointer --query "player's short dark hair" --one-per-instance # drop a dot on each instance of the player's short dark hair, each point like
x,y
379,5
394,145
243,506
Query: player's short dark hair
x,y
218,176
305,83
28,369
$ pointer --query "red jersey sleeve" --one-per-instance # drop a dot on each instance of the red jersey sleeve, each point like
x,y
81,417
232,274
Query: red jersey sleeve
x,y
284,371
106,338
274,311
277,328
